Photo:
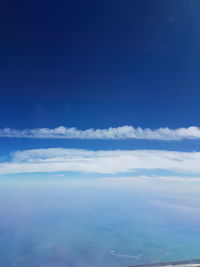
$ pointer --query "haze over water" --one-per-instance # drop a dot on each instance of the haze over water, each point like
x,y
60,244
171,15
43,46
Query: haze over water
x,y
97,222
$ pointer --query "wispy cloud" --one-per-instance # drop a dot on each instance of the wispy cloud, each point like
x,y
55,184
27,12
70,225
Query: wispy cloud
x,y
102,161
123,132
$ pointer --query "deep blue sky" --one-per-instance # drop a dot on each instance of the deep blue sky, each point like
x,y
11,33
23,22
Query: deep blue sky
x,y
100,63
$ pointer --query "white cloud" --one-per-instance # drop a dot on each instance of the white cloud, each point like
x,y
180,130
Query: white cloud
x,y
124,132
102,161
179,208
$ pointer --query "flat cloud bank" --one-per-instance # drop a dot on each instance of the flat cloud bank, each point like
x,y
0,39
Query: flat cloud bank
x,y
101,161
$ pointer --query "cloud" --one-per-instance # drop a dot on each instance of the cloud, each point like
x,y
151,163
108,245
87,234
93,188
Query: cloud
x,y
101,161
179,208
123,132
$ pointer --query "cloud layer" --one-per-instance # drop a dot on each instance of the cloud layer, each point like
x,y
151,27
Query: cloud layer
x,y
102,161
124,132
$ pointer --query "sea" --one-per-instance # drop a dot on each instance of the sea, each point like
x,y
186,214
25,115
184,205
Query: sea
x,y
98,222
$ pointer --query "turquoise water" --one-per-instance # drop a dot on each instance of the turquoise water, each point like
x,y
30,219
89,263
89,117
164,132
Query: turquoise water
x,y
100,222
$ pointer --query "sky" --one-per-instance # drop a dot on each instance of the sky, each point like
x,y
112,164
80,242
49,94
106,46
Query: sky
x,y
100,87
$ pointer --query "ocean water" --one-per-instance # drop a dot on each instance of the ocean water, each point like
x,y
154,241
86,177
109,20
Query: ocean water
x,y
98,222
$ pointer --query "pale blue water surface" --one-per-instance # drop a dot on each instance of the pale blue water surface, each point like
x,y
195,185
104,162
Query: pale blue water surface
x,y
98,222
